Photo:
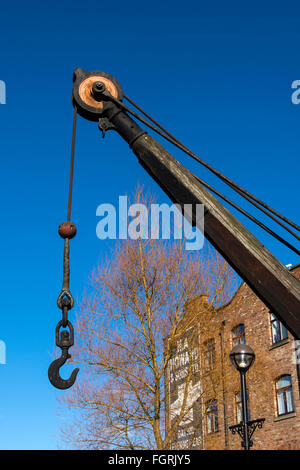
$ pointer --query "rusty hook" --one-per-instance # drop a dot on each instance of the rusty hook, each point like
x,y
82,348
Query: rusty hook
x,y
53,372
64,343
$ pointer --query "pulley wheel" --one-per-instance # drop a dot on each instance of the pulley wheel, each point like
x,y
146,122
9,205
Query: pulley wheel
x,y
87,104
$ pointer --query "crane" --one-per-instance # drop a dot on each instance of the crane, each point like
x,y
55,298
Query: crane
x,y
98,96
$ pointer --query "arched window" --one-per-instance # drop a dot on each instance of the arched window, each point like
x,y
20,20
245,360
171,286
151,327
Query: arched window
x,y
284,395
238,334
279,331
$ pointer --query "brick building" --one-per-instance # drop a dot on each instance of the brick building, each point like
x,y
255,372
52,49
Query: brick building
x,y
273,382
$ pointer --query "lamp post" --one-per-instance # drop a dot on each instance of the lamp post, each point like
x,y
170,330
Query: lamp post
x,y
242,357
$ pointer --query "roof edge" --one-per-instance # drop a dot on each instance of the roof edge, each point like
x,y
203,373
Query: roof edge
x,y
243,282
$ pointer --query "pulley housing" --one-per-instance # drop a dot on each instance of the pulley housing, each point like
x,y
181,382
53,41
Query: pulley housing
x,y
85,97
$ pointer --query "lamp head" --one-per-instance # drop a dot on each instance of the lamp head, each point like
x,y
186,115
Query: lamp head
x,y
242,357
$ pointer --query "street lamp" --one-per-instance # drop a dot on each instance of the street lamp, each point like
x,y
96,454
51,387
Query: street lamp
x,y
242,357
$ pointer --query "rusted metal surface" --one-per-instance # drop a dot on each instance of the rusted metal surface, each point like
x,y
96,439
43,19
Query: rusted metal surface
x,y
64,338
83,98
85,90
67,230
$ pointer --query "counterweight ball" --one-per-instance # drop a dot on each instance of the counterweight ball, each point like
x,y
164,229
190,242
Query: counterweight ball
x,y
67,230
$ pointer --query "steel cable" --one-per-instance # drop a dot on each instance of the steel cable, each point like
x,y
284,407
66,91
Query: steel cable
x,y
168,136
72,165
243,192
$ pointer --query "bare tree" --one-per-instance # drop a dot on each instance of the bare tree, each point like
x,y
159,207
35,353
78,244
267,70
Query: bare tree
x,y
144,298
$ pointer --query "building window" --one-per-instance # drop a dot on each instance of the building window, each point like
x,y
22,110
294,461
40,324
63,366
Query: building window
x,y
209,354
279,331
212,421
238,407
284,395
238,335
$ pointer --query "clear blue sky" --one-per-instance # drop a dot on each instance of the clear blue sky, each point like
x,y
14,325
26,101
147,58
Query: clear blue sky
x,y
217,74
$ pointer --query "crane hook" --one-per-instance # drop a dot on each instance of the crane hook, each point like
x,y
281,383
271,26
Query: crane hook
x,y
65,342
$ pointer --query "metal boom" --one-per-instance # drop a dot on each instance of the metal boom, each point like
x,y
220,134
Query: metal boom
x,y
268,278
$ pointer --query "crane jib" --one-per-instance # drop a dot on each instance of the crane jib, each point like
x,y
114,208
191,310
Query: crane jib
x,y
271,281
